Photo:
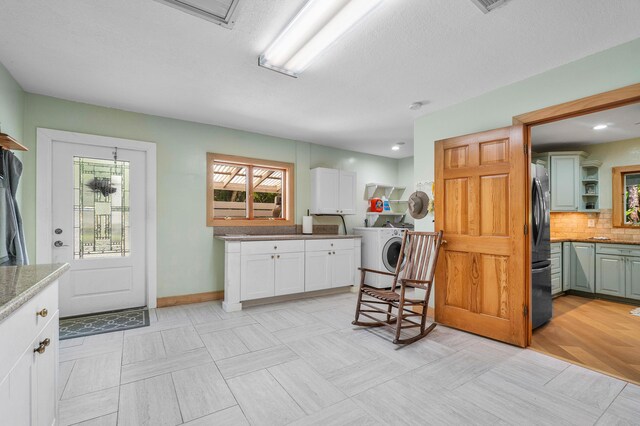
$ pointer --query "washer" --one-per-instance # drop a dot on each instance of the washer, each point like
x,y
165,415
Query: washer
x,y
380,251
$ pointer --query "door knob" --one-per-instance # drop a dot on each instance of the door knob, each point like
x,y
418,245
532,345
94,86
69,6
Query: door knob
x,y
60,244
58,231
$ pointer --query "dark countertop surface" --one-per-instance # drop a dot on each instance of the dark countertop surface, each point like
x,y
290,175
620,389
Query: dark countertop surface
x,y
19,284
284,237
591,240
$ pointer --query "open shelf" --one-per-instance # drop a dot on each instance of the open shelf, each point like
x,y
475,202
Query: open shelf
x,y
388,189
7,142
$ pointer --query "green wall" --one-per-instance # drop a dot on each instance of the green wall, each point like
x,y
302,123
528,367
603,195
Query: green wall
x,y
613,154
607,70
189,260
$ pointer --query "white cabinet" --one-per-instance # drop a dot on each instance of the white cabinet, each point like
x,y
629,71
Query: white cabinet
x,y
317,270
289,273
261,269
342,268
333,191
257,276
329,267
270,268
28,378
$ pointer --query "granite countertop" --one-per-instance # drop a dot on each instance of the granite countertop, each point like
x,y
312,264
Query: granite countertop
x,y
284,237
591,240
19,284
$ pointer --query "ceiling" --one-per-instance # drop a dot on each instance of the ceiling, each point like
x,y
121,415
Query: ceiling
x,y
622,123
140,55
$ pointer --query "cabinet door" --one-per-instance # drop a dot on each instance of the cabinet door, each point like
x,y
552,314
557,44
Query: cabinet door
x,y
556,283
17,391
317,270
289,273
325,196
347,192
565,174
582,267
343,268
633,278
610,273
257,276
566,266
47,375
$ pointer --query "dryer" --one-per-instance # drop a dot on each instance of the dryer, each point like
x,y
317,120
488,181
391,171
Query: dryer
x,y
380,251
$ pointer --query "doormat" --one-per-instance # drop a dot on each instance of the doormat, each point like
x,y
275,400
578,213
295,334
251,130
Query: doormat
x,y
105,322
635,312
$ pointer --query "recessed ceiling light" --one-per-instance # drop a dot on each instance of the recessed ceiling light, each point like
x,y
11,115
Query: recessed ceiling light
x,y
600,127
397,146
316,26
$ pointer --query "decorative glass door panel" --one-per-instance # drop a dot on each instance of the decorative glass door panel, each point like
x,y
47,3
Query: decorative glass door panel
x,y
101,208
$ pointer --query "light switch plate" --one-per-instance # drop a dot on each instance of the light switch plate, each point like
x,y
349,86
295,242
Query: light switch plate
x,y
591,223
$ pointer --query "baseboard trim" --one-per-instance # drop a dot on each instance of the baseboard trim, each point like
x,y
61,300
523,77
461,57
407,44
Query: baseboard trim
x,y
190,298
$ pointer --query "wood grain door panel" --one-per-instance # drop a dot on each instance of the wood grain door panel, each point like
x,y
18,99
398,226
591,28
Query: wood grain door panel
x,y
481,205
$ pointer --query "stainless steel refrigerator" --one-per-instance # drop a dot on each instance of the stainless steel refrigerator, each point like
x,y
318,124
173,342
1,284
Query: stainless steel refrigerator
x,y
542,307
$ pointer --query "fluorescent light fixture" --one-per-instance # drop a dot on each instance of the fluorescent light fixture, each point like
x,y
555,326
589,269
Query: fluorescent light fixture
x,y
316,27
600,127
396,148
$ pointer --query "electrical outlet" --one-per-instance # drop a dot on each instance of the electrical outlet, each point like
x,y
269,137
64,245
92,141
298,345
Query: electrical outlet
x,y
591,223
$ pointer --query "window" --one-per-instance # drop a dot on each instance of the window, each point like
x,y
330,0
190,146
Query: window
x,y
248,192
626,196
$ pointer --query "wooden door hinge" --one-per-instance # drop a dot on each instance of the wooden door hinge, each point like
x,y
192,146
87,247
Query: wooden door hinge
x,y
526,149
526,229
525,310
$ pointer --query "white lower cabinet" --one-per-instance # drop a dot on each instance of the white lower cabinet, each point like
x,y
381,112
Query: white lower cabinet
x,y
261,269
289,273
317,270
343,268
257,277
28,383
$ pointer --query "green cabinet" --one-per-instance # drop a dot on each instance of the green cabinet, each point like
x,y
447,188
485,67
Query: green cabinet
x,y
556,268
566,266
582,274
610,274
565,182
633,278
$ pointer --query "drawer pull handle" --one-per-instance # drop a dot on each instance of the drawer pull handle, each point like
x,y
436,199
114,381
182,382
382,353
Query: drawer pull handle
x,y
43,346
278,256
329,252
272,256
275,247
333,252
43,313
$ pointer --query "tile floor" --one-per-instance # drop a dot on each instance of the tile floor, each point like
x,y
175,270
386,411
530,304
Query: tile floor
x,y
303,363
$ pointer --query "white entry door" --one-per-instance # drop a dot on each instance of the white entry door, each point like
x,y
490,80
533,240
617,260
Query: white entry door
x,y
98,226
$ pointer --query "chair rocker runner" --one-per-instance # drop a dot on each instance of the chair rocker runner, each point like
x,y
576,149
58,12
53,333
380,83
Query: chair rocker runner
x,y
415,270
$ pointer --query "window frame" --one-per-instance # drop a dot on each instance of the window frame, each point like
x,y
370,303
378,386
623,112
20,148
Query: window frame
x,y
617,191
288,192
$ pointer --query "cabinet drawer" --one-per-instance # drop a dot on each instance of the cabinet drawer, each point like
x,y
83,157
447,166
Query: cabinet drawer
x,y
556,264
618,249
321,245
556,248
21,327
268,247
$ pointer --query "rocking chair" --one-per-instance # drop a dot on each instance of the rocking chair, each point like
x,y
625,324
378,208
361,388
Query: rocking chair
x,y
415,269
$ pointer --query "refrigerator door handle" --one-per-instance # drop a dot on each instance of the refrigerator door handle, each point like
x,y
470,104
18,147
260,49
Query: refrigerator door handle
x,y
541,220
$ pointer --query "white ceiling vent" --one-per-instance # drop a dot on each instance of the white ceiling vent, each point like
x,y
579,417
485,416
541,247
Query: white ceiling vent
x,y
487,6
216,11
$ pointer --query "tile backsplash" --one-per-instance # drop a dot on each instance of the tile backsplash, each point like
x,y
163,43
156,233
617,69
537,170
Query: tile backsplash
x,y
575,226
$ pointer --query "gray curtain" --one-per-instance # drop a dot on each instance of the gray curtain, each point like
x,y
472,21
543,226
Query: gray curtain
x,y
12,247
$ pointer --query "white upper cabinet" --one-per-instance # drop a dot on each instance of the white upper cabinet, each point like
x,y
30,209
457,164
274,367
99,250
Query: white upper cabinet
x,y
333,191
565,175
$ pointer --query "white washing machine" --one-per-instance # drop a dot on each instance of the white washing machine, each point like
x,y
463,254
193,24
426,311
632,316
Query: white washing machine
x,y
380,251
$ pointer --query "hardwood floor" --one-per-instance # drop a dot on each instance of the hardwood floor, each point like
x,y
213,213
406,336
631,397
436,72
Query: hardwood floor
x,y
598,334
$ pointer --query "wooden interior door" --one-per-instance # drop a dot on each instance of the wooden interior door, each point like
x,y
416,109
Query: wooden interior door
x,y
482,191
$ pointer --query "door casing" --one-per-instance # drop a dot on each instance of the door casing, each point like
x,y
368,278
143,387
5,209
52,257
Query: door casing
x,y
44,202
